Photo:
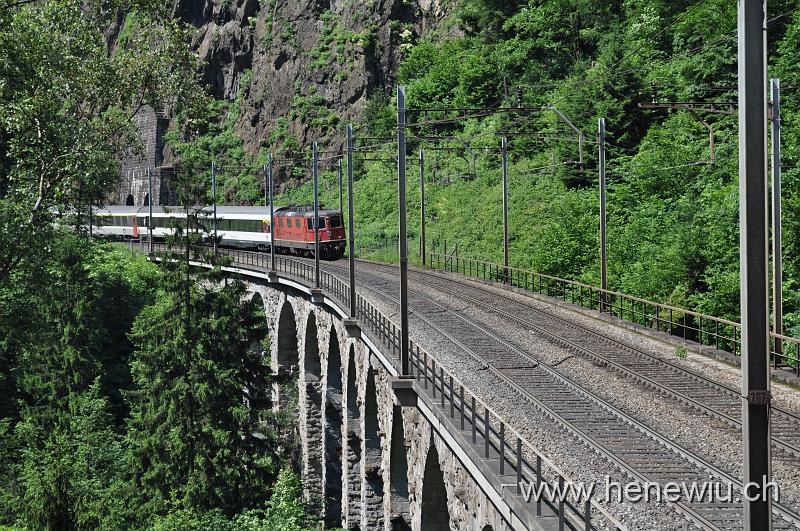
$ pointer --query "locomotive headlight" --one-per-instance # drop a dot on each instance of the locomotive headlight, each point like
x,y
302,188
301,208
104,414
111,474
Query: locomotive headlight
x,y
328,233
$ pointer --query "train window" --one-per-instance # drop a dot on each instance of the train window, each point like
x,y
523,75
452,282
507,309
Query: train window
x,y
297,222
311,223
336,221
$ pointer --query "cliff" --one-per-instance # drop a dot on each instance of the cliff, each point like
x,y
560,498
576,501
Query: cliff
x,y
302,68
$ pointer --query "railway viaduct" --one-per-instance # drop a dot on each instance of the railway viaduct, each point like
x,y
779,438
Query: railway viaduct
x,y
370,459
439,448
381,452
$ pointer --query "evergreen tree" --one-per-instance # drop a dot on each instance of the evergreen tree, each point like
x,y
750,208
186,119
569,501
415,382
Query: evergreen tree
x,y
200,426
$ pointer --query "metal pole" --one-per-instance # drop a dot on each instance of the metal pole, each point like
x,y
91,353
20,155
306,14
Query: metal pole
x,y
422,205
350,208
266,185
315,157
504,152
341,206
601,127
401,186
271,214
214,193
150,210
777,248
753,260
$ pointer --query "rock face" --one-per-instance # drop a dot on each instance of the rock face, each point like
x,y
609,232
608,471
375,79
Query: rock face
x,y
298,69
312,63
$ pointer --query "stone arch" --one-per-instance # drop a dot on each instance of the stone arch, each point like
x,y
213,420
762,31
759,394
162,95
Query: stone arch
x,y
373,481
353,450
399,516
259,398
257,302
487,527
129,200
287,357
434,513
333,433
312,413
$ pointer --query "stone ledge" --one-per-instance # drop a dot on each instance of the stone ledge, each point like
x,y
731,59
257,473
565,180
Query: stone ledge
x,y
352,328
405,390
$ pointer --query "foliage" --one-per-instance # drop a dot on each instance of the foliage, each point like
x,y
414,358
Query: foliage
x,y
672,216
65,359
89,375
68,98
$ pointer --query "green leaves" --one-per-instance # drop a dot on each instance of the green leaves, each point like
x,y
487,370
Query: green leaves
x,y
201,403
67,100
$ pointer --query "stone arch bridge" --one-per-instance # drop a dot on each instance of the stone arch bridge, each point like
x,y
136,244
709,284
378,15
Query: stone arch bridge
x,y
381,452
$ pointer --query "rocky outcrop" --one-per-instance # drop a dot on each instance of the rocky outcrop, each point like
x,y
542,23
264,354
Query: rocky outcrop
x,y
302,68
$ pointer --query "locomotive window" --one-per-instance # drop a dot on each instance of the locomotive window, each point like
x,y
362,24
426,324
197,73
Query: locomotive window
x,y
297,222
311,223
336,221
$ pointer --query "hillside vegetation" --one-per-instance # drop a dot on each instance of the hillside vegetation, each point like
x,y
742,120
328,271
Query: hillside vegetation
x,y
672,216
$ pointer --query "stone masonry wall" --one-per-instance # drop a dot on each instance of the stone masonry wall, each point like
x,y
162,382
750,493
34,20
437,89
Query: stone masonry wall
x,y
365,502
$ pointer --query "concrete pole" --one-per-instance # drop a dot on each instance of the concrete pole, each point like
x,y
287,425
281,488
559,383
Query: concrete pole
x,y
150,245
777,248
350,223
405,368
753,260
422,245
315,159
214,194
601,127
271,213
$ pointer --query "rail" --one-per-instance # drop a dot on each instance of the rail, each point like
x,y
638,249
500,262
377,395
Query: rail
x,y
721,334
501,442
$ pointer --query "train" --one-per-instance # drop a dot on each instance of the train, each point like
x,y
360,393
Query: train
x,y
243,227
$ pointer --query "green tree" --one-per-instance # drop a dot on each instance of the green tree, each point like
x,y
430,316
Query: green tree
x,y
200,427
68,96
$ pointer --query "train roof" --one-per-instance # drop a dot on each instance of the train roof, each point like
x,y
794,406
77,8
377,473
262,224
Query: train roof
x,y
237,212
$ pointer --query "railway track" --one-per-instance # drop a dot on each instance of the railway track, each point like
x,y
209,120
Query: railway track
x,y
627,443
703,394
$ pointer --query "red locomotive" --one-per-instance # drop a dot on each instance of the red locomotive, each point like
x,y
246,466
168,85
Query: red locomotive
x,y
294,231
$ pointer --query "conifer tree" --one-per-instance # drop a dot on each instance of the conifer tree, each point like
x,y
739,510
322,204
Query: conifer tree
x,y
200,426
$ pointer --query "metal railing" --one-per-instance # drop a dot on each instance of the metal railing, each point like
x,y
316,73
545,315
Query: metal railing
x,y
476,420
721,334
